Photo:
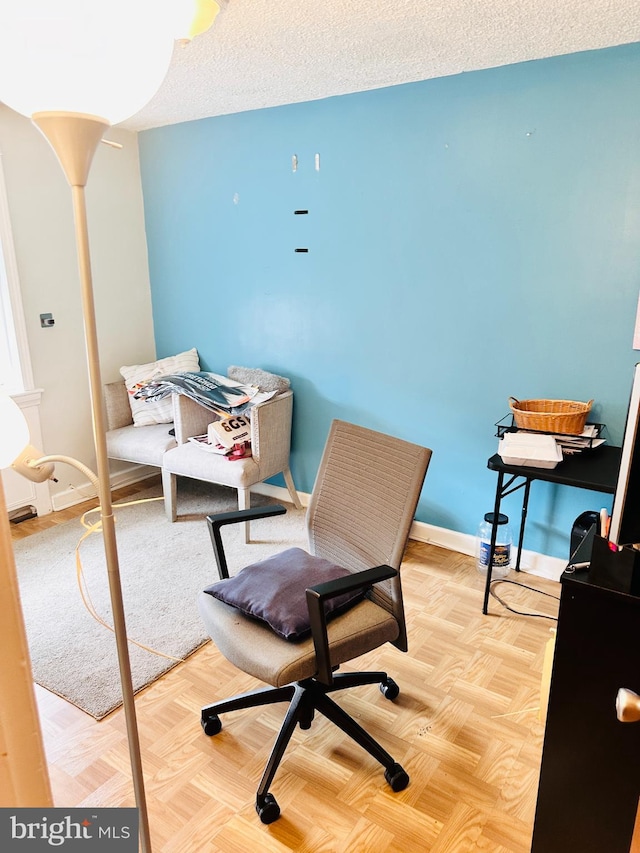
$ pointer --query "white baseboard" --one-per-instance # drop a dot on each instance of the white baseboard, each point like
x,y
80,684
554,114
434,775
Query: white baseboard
x,y
531,562
84,492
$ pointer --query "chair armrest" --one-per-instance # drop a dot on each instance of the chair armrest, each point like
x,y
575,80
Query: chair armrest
x,y
271,433
318,594
190,418
219,520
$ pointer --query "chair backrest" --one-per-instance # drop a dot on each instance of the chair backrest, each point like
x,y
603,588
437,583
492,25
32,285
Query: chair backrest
x,y
363,503
116,404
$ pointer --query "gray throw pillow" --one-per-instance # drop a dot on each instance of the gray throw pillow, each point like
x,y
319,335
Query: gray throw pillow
x,y
256,376
274,591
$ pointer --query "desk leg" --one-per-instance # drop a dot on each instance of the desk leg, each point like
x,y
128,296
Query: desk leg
x,y
525,505
492,547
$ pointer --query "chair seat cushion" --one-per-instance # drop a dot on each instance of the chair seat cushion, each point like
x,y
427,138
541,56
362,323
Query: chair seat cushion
x,y
274,591
254,648
189,460
145,446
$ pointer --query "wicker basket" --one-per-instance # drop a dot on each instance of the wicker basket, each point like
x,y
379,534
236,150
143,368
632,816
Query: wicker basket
x,y
562,416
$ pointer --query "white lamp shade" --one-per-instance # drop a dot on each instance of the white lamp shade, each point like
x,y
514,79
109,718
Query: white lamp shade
x,y
14,432
195,17
102,59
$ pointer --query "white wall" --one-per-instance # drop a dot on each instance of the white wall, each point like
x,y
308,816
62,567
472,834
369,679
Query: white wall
x,y
42,219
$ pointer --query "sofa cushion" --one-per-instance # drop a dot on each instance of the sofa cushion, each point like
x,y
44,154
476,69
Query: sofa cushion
x,y
274,591
146,412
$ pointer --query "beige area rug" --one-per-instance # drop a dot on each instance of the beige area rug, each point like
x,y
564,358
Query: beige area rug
x,y
163,566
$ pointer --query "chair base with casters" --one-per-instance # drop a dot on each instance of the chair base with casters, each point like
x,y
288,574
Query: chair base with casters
x,y
283,620
305,698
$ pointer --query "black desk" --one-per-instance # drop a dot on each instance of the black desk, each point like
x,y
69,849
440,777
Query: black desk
x,y
596,470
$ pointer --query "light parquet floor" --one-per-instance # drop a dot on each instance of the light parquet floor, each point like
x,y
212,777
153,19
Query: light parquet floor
x,y
463,727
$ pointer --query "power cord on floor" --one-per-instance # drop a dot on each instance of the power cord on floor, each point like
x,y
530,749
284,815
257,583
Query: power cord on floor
x,y
96,527
495,595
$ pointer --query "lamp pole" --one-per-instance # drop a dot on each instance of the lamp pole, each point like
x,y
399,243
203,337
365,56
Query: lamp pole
x,y
75,137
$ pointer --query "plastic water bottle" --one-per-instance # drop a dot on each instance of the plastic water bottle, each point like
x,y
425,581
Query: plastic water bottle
x,y
502,553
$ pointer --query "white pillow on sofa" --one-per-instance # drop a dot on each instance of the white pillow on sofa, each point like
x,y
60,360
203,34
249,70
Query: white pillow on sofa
x,y
135,375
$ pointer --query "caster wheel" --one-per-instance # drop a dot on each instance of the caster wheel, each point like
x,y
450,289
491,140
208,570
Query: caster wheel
x,y
212,725
305,722
397,778
389,689
268,809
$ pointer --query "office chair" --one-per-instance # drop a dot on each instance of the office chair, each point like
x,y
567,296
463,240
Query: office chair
x,y
358,523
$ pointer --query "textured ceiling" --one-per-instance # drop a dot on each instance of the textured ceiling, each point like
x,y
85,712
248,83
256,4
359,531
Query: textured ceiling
x,y
263,53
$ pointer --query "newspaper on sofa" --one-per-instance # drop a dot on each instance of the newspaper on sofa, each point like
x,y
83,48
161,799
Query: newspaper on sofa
x,y
217,393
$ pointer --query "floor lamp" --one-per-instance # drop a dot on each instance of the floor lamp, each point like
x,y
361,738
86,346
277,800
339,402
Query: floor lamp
x,y
75,68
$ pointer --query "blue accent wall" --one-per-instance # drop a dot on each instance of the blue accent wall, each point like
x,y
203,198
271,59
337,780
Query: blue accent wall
x,y
470,238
